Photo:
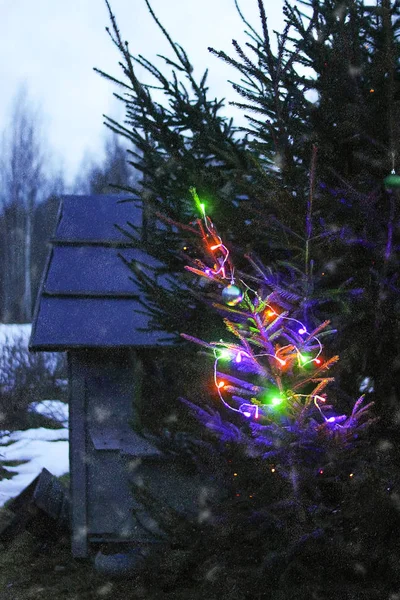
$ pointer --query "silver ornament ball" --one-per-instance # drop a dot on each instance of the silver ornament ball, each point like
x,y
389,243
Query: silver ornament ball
x,y
232,295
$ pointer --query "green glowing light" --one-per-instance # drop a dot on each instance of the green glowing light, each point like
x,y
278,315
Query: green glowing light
x,y
224,354
276,401
200,205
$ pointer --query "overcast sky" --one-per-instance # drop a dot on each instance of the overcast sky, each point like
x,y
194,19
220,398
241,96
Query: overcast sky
x,y
53,45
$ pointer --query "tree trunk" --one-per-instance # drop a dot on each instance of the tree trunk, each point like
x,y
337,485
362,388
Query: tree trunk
x,y
27,297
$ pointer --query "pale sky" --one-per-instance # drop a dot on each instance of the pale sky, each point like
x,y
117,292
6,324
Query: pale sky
x,y
53,45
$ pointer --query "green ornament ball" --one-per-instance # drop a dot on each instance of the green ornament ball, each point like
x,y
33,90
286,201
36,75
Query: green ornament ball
x,y
232,295
392,181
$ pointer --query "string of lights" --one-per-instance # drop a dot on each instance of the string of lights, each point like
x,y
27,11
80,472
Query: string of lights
x,y
273,346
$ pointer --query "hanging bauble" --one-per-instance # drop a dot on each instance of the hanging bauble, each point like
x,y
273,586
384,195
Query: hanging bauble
x,y
232,295
392,181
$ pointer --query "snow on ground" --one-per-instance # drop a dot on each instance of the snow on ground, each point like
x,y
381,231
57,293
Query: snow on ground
x,y
41,448
11,333
54,409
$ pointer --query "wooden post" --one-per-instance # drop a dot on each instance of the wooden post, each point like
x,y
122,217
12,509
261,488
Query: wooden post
x,y
77,456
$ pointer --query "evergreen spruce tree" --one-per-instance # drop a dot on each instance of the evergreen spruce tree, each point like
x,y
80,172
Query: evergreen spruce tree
x,y
308,505
259,182
305,193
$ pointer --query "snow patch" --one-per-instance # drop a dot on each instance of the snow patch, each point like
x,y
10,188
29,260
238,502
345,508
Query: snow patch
x,y
53,409
41,448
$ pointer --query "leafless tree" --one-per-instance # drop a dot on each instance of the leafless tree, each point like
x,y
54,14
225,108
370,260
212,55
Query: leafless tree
x,y
99,177
22,186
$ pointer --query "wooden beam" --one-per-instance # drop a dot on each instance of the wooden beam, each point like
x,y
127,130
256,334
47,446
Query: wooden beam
x,y
112,295
77,456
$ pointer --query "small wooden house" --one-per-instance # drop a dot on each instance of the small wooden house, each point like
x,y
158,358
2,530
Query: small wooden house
x,y
89,307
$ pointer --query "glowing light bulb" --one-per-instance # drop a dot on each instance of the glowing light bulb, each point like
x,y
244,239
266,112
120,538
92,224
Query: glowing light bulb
x,y
215,247
220,384
271,313
273,470
239,357
276,401
224,354
317,361
351,475
302,330
247,414
321,471
331,420
202,208
282,362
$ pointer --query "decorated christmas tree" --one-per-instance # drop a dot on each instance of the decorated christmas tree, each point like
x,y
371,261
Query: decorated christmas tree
x,y
272,368
332,82
312,504
307,501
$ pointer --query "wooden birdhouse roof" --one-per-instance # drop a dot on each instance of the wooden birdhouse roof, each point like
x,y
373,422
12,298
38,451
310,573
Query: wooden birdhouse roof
x,y
87,298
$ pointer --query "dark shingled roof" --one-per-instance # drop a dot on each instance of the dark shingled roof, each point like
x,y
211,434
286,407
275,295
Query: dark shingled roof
x,y
86,298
